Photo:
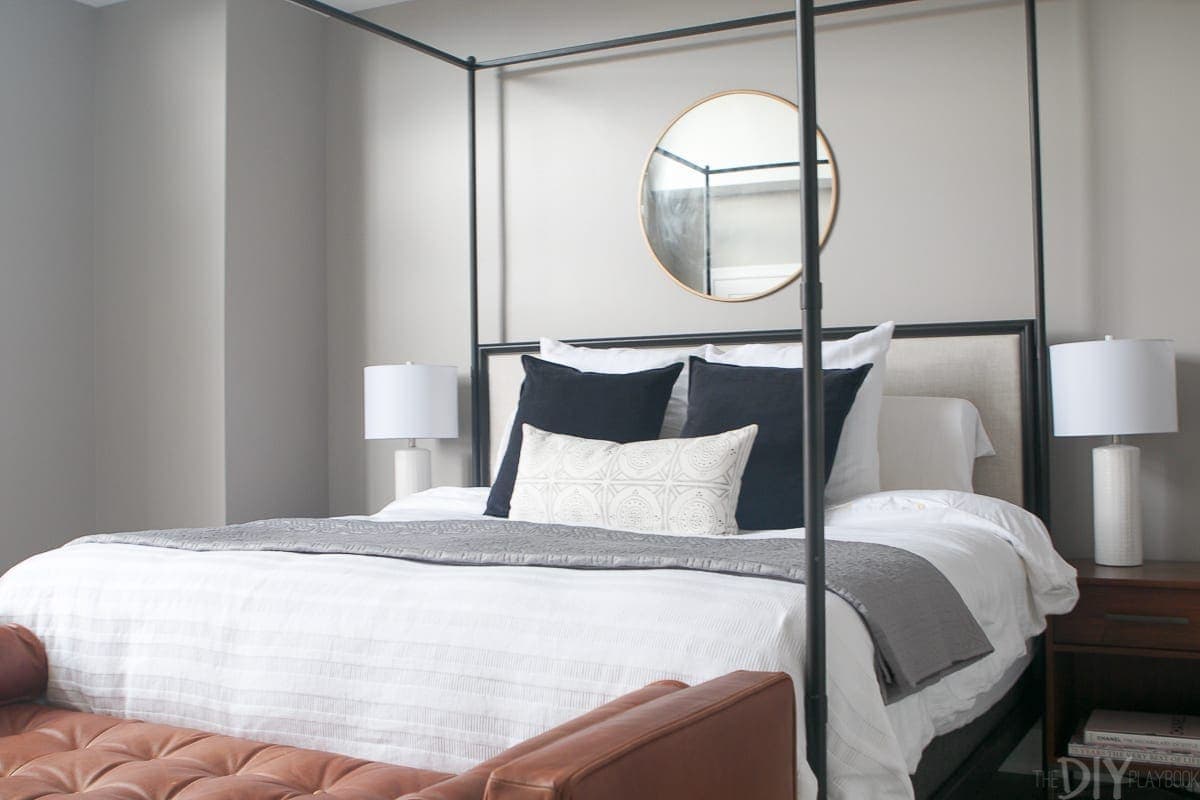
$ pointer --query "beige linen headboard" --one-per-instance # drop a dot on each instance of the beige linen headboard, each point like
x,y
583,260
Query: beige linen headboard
x,y
989,363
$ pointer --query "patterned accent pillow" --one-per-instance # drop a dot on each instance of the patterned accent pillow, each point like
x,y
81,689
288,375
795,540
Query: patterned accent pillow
x,y
682,486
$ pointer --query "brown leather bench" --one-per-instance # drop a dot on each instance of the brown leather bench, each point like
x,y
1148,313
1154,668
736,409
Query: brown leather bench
x,y
730,737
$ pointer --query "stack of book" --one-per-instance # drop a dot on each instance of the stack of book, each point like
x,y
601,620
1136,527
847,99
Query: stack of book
x,y
1168,739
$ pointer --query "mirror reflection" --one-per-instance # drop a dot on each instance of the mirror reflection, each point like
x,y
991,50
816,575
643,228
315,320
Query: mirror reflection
x,y
720,202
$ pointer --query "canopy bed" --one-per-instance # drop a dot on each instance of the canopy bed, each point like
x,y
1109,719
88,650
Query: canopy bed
x,y
945,723
1035,494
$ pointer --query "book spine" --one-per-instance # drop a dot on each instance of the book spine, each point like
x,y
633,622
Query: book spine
x,y
1174,743
1080,750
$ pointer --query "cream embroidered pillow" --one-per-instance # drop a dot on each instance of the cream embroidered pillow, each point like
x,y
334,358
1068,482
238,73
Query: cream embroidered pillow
x,y
683,486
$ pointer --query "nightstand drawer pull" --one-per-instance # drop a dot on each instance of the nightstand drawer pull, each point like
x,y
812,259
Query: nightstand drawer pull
x,y
1146,619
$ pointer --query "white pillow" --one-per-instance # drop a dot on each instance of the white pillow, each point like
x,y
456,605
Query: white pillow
x,y
856,463
682,486
930,443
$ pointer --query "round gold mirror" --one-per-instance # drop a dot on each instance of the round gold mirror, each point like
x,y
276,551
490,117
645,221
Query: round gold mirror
x,y
720,197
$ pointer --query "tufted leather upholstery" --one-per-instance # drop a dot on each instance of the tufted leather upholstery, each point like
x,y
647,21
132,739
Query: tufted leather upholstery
x,y
51,753
730,737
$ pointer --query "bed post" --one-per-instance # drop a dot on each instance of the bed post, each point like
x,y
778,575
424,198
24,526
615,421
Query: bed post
x,y
815,702
477,476
1041,505
1042,443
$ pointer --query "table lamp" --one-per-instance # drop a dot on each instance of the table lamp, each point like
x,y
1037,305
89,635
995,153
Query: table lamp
x,y
410,401
1115,387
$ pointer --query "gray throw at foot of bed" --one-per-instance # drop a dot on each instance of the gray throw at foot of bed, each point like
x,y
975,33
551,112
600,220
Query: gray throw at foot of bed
x,y
921,627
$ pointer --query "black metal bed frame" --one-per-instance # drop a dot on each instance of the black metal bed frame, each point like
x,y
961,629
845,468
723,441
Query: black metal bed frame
x,y
804,18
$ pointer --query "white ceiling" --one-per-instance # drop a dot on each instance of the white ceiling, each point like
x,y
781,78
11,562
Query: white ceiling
x,y
345,5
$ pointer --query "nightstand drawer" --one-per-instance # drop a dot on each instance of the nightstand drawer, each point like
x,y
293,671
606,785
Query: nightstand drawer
x,y
1119,616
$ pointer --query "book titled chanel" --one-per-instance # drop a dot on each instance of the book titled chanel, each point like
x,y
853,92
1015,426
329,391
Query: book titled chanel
x,y
1173,732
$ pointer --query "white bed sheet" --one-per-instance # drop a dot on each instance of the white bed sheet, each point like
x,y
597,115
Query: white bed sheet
x,y
440,667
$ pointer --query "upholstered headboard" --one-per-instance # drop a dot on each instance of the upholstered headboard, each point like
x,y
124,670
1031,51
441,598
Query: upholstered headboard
x,y
989,363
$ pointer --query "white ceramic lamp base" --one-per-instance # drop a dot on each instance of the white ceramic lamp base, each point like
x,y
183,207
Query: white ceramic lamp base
x,y
414,472
1117,499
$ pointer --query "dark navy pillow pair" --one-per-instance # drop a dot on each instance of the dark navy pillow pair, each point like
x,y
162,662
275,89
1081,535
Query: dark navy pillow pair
x,y
722,397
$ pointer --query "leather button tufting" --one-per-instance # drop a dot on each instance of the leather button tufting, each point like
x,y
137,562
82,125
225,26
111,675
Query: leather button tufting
x,y
47,752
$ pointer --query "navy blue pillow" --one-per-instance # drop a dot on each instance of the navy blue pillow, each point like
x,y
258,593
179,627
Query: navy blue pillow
x,y
722,397
591,405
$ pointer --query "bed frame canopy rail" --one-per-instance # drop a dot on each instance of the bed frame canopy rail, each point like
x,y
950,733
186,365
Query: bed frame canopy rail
x,y
803,16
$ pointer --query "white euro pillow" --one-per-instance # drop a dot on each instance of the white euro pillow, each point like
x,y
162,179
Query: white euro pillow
x,y
856,463
680,486
930,443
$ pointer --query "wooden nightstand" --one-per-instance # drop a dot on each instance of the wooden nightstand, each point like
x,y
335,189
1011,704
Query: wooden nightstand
x,y
1132,644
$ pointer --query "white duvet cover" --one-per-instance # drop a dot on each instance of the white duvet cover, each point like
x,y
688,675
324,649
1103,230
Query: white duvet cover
x,y
441,667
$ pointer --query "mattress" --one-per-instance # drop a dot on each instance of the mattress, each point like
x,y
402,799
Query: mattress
x,y
440,667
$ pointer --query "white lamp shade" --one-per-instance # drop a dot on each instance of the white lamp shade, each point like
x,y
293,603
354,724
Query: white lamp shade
x,y
410,401
1114,387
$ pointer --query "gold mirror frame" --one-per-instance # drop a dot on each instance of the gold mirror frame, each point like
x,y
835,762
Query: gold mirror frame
x,y
833,200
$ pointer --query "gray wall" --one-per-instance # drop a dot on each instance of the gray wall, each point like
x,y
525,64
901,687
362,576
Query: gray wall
x,y
217,189
275,388
925,108
938,129
210,271
396,255
46,433
1145,114
162,208
159,264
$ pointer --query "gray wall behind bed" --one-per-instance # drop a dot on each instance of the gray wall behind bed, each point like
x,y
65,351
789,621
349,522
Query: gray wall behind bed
x,y
47,488
925,109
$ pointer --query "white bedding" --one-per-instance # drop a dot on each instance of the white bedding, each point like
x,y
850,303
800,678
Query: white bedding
x,y
440,667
